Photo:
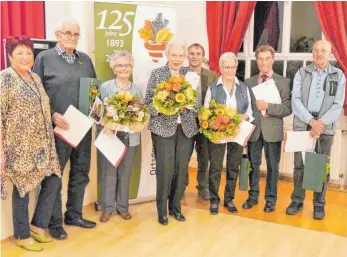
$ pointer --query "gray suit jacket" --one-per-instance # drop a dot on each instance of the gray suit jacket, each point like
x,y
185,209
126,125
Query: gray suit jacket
x,y
272,126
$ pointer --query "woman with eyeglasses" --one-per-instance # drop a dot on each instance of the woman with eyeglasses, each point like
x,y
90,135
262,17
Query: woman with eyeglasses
x,y
233,93
115,181
27,148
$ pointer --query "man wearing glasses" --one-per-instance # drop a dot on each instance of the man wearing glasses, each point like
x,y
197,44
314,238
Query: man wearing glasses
x,y
60,69
318,97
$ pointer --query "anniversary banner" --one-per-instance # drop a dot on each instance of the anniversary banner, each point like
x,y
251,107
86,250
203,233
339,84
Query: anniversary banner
x,y
144,31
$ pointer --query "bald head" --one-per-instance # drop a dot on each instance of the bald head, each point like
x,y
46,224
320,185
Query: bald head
x,y
321,53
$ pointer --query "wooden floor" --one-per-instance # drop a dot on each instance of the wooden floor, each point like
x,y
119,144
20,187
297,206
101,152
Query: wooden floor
x,y
250,233
336,207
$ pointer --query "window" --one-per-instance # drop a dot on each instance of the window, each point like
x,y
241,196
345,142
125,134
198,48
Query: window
x,y
305,27
268,24
290,27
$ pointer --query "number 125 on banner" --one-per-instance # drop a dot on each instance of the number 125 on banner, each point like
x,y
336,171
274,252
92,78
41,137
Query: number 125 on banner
x,y
119,20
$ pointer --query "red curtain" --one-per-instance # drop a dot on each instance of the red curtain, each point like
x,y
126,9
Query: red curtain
x,y
333,19
21,18
227,23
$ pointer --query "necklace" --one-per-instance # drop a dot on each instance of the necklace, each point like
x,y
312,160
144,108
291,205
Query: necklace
x,y
126,86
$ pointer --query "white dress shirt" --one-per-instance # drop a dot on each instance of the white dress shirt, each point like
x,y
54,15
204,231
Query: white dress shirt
x,y
231,98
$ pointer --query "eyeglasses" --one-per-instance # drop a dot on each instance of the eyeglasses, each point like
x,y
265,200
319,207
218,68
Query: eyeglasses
x,y
69,34
123,66
229,67
323,51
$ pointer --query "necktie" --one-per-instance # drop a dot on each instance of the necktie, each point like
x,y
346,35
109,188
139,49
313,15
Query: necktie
x,y
263,77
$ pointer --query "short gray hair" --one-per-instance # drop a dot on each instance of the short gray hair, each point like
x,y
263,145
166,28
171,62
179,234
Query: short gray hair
x,y
172,44
227,56
66,20
117,54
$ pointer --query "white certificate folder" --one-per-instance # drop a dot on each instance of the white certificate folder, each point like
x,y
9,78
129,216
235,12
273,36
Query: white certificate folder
x,y
298,141
79,126
268,92
111,147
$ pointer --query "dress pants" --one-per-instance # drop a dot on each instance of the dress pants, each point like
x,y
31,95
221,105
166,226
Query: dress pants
x,y
298,195
273,157
78,178
172,157
43,211
216,153
115,181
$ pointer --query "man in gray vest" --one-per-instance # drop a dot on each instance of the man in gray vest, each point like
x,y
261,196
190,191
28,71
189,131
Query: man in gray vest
x,y
60,69
269,130
196,55
318,97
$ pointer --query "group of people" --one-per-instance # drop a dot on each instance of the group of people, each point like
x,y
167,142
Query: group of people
x,y
35,95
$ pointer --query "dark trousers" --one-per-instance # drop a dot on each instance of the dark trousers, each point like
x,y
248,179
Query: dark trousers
x,y
201,148
273,157
172,157
78,178
298,194
216,153
43,210
115,181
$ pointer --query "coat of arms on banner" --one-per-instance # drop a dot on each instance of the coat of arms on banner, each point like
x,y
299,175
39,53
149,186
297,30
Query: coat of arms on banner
x,y
156,34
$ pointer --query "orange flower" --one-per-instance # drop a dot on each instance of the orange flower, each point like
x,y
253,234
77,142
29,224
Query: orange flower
x,y
204,124
167,86
219,118
225,119
179,79
215,124
180,98
176,87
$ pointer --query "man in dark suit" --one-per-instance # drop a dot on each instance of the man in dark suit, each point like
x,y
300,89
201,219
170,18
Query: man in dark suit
x,y
269,130
196,55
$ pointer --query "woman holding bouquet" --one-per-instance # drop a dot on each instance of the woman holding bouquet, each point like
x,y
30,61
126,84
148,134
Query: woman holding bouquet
x,y
115,181
233,93
172,136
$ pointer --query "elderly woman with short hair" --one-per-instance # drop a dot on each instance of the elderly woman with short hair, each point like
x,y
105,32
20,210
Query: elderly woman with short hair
x,y
172,138
115,181
27,148
233,93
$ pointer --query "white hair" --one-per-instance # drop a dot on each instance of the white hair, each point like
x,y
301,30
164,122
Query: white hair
x,y
117,54
66,20
226,57
172,44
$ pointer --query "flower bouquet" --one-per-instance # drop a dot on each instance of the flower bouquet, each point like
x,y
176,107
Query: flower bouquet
x,y
173,94
125,112
218,122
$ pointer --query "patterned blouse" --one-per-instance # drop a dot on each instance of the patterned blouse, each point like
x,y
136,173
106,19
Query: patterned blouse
x,y
28,138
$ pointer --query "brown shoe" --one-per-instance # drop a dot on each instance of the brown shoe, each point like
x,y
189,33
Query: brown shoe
x,y
105,217
125,215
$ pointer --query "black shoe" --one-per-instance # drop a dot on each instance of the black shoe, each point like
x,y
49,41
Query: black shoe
x,y
269,207
318,213
163,220
58,233
178,216
249,204
80,222
294,208
231,207
214,208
